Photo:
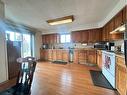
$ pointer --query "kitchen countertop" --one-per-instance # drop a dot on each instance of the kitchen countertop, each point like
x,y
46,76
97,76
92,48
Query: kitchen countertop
x,y
118,54
74,49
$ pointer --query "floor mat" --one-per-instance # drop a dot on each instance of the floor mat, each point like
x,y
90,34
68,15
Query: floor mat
x,y
60,62
99,80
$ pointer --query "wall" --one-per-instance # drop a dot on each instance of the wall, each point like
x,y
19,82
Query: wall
x,y
38,44
3,57
3,61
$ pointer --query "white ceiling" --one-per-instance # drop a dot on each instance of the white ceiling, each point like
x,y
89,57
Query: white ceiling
x,y
35,12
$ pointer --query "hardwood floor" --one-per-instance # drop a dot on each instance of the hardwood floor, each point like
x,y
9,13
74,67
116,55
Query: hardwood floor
x,y
70,79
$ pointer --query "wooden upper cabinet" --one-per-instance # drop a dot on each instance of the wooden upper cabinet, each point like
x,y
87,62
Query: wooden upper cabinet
x,y
125,14
76,37
119,19
50,38
91,36
85,36
106,33
98,35
95,35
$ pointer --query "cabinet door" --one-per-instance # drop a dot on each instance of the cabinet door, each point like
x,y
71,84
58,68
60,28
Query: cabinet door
x,y
76,57
92,56
59,54
50,55
82,56
125,14
76,37
65,55
85,36
98,35
99,59
103,34
107,32
119,19
121,80
92,36
54,55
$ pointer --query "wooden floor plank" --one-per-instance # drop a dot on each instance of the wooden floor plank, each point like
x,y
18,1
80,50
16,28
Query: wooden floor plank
x,y
70,79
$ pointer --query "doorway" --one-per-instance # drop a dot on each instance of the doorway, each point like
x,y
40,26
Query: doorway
x,y
26,40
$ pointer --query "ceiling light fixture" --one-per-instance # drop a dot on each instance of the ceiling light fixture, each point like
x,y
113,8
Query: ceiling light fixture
x,y
62,20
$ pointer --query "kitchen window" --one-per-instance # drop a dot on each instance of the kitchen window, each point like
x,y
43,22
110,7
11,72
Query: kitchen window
x,y
65,38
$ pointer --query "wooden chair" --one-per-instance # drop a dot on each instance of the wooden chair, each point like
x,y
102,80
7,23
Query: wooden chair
x,y
24,78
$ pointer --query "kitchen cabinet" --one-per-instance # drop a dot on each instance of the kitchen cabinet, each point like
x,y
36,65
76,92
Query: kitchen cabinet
x,y
85,36
119,19
99,59
50,38
59,54
82,56
121,76
76,37
125,14
50,55
95,35
54,55
44,54
91,36
65,55
92,56
75,60
98,34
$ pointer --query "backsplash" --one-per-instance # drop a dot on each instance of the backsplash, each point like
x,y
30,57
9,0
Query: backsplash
x,y
119,42
73,45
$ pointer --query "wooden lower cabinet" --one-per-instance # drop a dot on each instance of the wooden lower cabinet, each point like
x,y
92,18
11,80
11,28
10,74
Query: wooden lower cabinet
x,y
121,76
92,56
50,55
99,59
54,54
65,55
75,60
59,54
44,54
81,56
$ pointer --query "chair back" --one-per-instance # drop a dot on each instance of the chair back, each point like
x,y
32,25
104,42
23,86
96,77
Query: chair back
x,y
25,76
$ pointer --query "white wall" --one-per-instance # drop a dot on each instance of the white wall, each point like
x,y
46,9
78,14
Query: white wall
x,y
3,61
38,44
3,57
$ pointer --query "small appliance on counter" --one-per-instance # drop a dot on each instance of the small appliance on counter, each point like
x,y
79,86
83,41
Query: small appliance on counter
x,y
45,46
101,46
110,45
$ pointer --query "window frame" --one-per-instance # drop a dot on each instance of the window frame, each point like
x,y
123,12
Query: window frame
x,y
65,39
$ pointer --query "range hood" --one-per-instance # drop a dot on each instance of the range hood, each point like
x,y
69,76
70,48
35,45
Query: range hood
x,y
120,29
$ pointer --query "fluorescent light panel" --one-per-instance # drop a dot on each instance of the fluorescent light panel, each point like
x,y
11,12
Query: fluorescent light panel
x,y
63,20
